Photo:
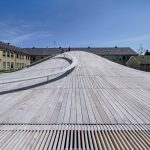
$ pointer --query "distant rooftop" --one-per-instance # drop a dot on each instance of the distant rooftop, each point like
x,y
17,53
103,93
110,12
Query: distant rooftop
x,y
8,46
99,51
52,51
147,52
144,60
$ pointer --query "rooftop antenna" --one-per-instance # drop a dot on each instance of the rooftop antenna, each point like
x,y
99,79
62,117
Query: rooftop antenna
x,y
141,49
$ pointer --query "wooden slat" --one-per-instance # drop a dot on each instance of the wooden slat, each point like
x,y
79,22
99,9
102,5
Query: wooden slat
x,y
97,105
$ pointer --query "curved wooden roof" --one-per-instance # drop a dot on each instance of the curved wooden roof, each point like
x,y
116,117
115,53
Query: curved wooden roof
x,y
97,93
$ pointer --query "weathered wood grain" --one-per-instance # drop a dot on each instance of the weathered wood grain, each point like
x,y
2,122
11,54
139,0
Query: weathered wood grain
x,y
97,91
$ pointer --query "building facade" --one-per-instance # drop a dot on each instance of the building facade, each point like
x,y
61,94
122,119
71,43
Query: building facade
x,y
141,62
11,58
116,54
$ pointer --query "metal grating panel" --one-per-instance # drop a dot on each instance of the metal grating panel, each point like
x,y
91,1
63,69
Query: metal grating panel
x,y
74,137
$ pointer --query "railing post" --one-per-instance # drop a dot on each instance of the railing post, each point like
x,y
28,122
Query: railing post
x,y
47,78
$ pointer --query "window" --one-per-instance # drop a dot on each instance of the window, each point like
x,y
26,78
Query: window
x,y
27,58
8,65
4,65
17,66
124,58
8,54
4,53
34,58
17,56
12,55
12,65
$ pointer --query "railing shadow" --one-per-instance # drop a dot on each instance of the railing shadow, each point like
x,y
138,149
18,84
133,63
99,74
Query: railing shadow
x,y
38,84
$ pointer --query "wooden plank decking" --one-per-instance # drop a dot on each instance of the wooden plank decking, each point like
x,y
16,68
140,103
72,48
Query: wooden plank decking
x,y
97,91
60,137
98,105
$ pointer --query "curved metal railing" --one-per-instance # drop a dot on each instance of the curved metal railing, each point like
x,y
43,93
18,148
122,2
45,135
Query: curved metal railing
x,y
41,60
71,66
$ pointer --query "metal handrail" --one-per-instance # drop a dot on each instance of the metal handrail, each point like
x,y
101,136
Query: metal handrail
x,y
71,66
42,60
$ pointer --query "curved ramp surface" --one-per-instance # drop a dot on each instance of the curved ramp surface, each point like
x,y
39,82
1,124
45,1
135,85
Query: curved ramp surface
x,y
37,75
97,93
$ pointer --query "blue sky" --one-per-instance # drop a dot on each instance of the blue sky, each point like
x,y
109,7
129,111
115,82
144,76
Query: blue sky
x,y
75,23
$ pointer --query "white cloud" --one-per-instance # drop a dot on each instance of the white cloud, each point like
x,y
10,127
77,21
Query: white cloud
x,y
132,39
27,36
17,33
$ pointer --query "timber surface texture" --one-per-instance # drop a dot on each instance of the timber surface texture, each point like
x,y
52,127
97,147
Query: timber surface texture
x,y
75,137
97,91
97,95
